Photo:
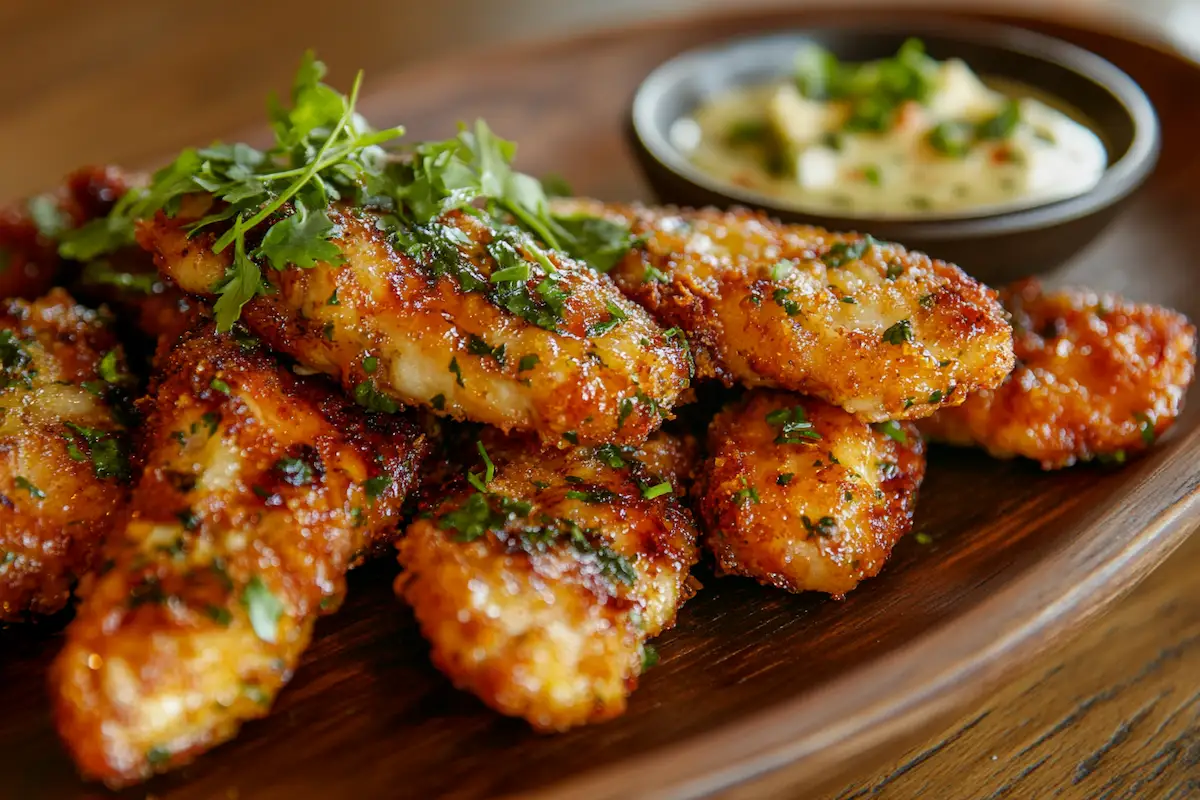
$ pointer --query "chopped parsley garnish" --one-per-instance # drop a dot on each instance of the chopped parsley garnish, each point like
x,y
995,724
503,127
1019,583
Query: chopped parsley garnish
x,y
375,487
655,275
527,362
823,527
842,253
793,424
456,370
649,656
108,367
784,478
489,471
899,333
219,615
1146,426
572,437
926,301
1002,124
370,364
892,430
107,451
264,608
594,495
952,138
894,270
294,471
14,361
611,455
438,401
790,307
657,490
872,175
158,756
746,494
34,492
923,538
47,217
781,269
333,299
476,346
935,396
370,398
188,519
623,411
616,317
219,385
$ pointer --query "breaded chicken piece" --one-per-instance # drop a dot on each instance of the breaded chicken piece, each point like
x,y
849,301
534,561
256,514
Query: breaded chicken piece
x,y
866,325
260,489
1097,377
63,456
539,594
798,494
473,325
29,229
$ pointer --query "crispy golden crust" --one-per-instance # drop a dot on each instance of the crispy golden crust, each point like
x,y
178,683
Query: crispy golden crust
x,y
56,502
812,514
29,262
431,342
543,611
886,334
260,489
1096,377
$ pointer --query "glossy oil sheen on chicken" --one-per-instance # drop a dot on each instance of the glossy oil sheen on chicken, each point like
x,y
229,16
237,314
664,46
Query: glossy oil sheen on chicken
x,y
259,490
1097,377
798,494
883,332
539,594
564,354
64,467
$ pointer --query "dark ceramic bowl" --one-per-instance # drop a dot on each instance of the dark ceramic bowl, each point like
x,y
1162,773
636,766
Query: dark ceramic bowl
x,y
997,246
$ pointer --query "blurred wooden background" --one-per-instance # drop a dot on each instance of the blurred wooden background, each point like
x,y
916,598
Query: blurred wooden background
x,y
1114,713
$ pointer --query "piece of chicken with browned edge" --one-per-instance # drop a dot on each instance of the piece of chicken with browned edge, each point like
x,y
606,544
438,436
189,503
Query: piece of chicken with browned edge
x,y
1097,377
259,490
538,581
798,494
30,229
459,315
64,407
880,331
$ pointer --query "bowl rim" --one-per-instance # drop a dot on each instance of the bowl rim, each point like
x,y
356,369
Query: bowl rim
x,y
1120,178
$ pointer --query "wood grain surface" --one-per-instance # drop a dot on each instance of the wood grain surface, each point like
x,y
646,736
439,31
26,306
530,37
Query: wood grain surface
x,y
1016,555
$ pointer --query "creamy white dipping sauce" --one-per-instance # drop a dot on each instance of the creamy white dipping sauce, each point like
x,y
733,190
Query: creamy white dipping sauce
x,y
906,136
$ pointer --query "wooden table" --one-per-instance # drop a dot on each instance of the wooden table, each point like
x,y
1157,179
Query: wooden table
x,y
1114,713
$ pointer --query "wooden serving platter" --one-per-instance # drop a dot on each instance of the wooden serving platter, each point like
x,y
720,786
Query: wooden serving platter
x,y
751,679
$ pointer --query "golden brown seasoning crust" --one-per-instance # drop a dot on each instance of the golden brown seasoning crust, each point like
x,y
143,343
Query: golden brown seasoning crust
x,y
798,494
260,489
29,261
880,331
63,462
540,595
1096,377
408,330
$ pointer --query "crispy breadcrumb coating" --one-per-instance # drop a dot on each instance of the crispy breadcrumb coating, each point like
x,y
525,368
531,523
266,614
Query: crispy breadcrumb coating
x,y
539,595
259,490
798,494
880,331
1097,377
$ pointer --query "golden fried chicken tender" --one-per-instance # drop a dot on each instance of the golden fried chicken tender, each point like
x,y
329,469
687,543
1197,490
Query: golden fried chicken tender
x,y
259,490
474,322
539,594
29,229
63,460
866,325
798,494
1097,377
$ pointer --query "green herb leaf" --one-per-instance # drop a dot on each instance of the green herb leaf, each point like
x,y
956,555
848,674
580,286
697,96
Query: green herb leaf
x,y
294,471
892,430
657,490
794,426
1002,124
899,333
34,492
265,609
370,398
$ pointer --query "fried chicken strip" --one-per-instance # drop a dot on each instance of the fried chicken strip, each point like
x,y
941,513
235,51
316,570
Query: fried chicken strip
x,y
798,494
259,490
460,317
30,228
538,596
63,463
1097,377
865,325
